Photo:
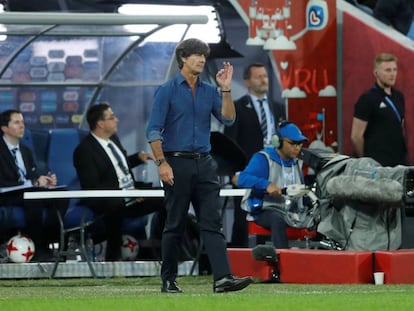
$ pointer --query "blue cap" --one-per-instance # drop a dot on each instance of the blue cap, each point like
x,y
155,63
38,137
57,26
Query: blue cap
x,y
292,132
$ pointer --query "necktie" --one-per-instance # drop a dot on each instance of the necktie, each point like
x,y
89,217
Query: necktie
x,y
263,119
119,159
19,169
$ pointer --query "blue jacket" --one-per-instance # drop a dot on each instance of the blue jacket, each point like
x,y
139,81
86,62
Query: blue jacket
x,y
256,173
256,176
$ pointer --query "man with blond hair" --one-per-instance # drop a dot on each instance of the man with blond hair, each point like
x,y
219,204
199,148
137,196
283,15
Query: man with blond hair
x,y
378,124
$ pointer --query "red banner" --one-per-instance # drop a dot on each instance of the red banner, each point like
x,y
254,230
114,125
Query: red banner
x,y
301,36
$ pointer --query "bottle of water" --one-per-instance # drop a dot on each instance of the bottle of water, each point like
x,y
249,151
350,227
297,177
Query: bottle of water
x,y
144,175
90,248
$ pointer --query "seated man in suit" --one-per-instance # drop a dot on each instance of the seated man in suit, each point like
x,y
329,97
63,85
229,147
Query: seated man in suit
x,y
102,163
17,167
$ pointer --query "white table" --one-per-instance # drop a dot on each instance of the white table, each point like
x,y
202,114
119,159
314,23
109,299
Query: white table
x,y
81,194
85,194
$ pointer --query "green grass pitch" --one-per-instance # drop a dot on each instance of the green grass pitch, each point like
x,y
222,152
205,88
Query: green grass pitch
x,y
143,293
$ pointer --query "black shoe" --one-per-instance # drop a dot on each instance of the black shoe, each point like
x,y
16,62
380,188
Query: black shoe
x,y
231,284
170,287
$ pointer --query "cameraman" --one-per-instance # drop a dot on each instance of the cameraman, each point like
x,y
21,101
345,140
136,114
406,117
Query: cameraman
x,y
270,171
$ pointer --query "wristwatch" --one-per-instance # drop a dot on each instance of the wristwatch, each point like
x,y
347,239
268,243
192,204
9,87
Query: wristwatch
x,y
160,161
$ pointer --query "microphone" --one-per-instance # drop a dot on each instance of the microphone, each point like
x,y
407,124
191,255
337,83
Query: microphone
x,y
378,191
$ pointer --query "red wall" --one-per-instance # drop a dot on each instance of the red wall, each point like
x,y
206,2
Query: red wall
x,y
311,66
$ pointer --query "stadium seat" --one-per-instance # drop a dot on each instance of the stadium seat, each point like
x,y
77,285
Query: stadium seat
x,y
78,218
306,266
243,264
297,237
62,143
11,217
38,141
396,265
53,151
28,140
310,266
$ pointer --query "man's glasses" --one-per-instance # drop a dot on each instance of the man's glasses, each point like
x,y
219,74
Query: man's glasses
x,y
109,118
294,143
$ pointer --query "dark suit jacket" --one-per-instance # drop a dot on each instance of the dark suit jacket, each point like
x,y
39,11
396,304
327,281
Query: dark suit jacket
x,y
95,170
9,175
246,131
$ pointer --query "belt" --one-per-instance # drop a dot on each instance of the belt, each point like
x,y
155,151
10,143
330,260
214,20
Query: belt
x,y
187,155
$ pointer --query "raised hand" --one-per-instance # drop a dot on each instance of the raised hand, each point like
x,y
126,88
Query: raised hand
x,y
224,76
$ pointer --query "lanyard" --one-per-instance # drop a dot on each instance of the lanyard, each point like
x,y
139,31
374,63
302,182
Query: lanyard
x,y
389,101
288,178
18,160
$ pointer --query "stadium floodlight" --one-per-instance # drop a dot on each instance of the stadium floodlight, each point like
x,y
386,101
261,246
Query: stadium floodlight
x,y
209,32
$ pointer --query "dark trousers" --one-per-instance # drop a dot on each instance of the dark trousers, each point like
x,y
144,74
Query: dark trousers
x,y
274,221
195,181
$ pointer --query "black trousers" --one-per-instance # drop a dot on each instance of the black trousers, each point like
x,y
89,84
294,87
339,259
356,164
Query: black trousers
x,y
275,221
195,181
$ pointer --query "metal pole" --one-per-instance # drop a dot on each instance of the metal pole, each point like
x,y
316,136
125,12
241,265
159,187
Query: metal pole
x,y
40,18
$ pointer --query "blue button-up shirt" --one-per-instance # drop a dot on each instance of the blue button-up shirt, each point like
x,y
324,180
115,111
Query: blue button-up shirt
x,y
182,121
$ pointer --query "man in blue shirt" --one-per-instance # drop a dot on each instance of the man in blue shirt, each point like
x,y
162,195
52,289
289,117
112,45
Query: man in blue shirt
x,y
179,135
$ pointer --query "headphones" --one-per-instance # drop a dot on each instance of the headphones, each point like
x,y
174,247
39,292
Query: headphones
x,y
277,140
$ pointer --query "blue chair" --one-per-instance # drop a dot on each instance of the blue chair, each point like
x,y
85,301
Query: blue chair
x,y
11,217
62,143
40,146
28,140
79,218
